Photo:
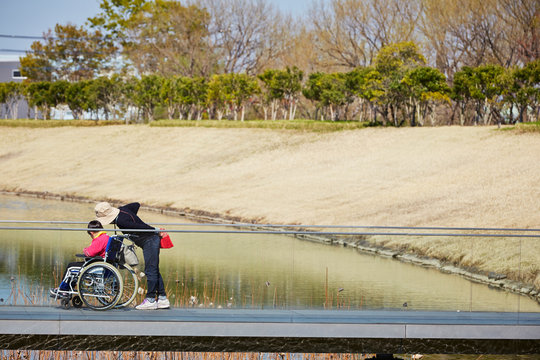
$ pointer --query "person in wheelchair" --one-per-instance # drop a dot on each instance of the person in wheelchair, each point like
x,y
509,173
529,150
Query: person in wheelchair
x,y
96,248
125,217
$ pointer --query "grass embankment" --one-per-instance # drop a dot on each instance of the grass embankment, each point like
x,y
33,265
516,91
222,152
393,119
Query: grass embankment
x,y
30,123
528,127
299,124
302,125
447,176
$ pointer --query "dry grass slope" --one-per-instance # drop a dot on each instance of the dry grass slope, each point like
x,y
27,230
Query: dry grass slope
x,y
447,176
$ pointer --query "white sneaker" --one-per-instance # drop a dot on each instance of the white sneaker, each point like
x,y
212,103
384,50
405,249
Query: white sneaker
x,y
163,304
147,305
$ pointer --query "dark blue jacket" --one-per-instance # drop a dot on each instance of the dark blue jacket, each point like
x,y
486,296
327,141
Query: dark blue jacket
x,y
128,219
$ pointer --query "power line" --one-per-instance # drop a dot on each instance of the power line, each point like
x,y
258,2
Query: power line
x,y
15,50
50,37
298,226
286,232
27,37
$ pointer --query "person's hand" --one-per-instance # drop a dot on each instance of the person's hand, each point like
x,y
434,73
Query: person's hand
x,y
162,233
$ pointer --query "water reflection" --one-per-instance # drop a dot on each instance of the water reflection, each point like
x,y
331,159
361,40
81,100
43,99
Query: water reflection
x,y
248,270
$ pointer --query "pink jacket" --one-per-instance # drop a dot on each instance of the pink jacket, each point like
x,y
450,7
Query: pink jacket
x,y
98,245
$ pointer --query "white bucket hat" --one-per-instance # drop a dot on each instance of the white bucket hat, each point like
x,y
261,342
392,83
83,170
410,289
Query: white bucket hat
x,y
105,213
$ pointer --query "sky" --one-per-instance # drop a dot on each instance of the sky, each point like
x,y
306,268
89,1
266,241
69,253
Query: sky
x,y
34,17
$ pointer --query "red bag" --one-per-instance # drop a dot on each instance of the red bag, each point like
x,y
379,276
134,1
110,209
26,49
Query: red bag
x,y
166,242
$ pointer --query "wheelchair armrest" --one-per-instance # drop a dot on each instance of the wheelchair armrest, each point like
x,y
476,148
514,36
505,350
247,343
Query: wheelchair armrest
x,y
88,258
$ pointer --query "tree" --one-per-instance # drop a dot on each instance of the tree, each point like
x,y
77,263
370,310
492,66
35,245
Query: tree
x,y
57,92
462,89
281,89
288,83
38,96
128,104
247,35
3,96
217,95
231,92
366,84
36,65
167,38
393,62
11,93
425,86
300,48
147,94
242,87
72,54
472,33
104,93
270,93
186,95
350,32
522,19
195,95
524,91
490,84
482,87
116,17
329,91
77,98
169,95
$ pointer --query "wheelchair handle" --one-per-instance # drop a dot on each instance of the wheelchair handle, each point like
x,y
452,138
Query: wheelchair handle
x,y
123,237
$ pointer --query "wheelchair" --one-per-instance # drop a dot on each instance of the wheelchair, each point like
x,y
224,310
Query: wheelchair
x,y
101,283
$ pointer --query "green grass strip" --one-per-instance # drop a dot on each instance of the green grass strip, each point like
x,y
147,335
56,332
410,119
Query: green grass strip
x,y
29,123
532,127
299,125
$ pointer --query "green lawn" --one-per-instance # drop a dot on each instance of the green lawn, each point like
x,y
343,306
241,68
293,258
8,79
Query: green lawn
x,y
30,123
302,125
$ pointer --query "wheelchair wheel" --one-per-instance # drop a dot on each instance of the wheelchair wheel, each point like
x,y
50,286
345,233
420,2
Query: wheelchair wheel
x,y
131,285
100,286
77,302
65,303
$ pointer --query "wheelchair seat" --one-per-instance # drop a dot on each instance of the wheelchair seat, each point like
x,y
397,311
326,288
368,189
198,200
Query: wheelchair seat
x,y
112,251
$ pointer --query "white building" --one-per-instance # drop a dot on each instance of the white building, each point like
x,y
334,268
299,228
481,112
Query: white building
x,y
10,71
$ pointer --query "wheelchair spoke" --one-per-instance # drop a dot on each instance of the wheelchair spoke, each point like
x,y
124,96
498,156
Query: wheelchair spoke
x,y
100,286
131,285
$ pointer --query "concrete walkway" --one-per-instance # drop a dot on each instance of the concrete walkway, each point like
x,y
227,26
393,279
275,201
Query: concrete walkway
x,y
271,330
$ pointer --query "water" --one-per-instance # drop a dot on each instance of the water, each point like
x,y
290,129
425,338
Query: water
x,y
244,270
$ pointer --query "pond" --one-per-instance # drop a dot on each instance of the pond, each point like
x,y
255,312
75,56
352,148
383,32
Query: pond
x,y
239,270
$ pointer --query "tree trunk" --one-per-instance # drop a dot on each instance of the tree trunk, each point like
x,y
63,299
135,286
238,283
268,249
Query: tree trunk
x,y
487,112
